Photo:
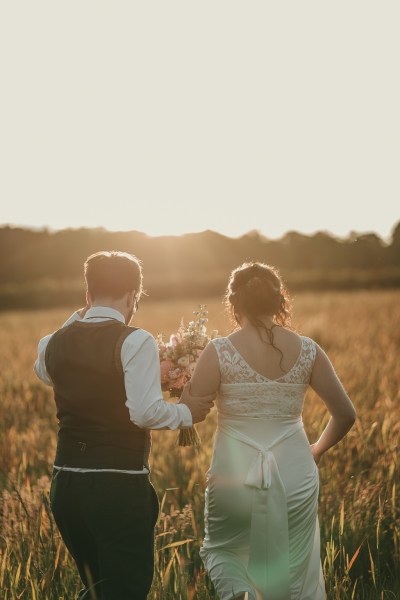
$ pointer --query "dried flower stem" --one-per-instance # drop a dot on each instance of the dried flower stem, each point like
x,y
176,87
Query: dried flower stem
x,y
189,437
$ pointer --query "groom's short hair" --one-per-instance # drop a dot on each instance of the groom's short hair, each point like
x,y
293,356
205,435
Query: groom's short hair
x,y
111,274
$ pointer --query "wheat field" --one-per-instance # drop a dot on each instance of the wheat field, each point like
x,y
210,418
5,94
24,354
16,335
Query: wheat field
x,y
359,478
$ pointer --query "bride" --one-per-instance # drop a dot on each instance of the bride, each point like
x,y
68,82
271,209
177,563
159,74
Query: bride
x,y
261,523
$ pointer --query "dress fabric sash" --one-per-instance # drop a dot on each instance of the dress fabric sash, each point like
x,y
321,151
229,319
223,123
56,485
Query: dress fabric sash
x,y
268,566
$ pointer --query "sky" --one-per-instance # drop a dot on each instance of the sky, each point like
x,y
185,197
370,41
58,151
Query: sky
x,y
179,116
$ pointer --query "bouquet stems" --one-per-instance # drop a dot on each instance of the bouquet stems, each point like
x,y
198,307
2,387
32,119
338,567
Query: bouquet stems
x,y
178,358
189,437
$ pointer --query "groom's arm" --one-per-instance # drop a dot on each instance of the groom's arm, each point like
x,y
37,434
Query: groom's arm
x,y
147,408
40,364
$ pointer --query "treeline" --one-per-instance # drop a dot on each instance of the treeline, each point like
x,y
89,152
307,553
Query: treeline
x,y
41,268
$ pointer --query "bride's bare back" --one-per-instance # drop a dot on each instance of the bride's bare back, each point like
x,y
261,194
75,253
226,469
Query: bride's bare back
x,y
271,361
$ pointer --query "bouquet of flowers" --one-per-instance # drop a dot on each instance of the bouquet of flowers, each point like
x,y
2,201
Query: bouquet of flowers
x,y
178,358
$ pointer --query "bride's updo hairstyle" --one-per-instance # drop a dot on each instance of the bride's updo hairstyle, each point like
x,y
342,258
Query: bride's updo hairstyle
x,y
256,290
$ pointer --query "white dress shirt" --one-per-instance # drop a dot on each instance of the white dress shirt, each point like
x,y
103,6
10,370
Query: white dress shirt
x,y
141,366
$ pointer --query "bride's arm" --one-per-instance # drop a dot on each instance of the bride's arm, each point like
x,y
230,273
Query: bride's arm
x,y
204,383
206,377
328,386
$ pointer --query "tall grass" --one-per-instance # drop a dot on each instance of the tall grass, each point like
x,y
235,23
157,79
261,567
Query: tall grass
x,y
359,479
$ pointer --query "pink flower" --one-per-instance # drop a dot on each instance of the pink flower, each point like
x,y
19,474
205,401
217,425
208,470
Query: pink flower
x,y
179,382
174,373
165,367
174,340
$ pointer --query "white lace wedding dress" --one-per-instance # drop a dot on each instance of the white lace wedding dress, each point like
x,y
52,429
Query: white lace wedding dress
x,y
261,522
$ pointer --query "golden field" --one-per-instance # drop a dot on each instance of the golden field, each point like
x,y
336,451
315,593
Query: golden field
x,y
359,495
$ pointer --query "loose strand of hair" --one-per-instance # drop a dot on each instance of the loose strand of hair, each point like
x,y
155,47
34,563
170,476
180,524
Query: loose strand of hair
x,y
270,334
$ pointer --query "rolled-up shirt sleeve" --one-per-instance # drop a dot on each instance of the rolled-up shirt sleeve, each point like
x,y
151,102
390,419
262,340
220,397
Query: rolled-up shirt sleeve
x,y
147,408
40,364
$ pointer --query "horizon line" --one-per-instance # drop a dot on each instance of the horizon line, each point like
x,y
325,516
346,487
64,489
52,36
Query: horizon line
x,y
351,233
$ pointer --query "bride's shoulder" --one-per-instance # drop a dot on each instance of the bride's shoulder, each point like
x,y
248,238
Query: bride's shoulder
x,y
308,341
309,348
306,346
219,341
292,335
288,337
221,345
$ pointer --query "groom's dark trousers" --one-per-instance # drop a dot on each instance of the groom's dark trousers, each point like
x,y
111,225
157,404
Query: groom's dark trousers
x,y
107,523
106,517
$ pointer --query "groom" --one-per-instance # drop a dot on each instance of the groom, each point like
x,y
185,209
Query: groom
x,y
106,379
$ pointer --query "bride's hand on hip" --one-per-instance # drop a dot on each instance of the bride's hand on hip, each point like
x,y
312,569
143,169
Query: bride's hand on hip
x,y
316,455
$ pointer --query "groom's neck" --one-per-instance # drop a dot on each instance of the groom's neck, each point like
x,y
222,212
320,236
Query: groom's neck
x,y
119,305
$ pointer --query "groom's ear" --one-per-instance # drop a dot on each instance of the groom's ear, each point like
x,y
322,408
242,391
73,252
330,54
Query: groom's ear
x,y
88,298
130,299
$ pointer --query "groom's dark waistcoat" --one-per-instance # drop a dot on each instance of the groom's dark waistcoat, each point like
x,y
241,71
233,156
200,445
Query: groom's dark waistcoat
x,y
84,363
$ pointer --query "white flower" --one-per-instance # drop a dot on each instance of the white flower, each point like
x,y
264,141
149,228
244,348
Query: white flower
x,y
183,361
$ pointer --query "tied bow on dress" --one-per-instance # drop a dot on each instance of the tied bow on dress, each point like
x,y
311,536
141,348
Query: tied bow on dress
x,y
268,566
259,475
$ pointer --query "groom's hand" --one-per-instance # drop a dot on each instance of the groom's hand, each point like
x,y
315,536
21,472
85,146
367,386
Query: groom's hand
x,y
199,406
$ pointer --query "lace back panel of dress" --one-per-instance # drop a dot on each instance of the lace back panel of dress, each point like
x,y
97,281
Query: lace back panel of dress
x,y
234,369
